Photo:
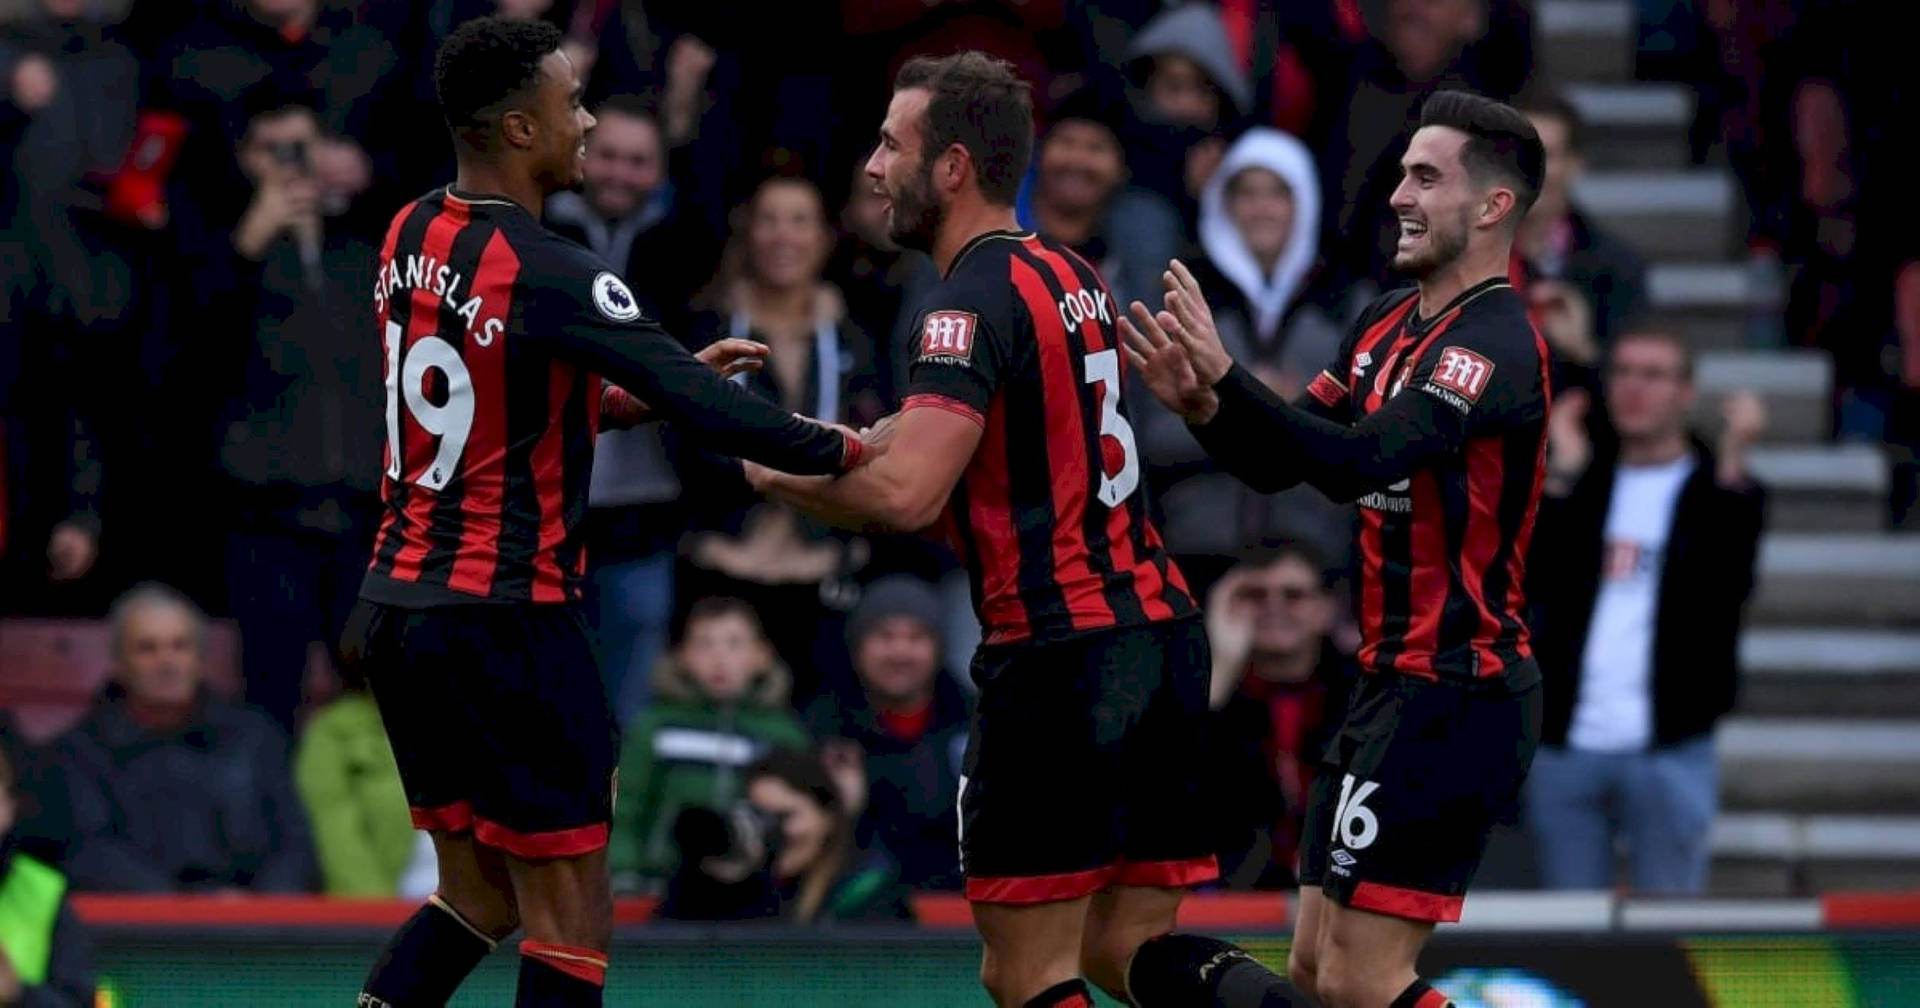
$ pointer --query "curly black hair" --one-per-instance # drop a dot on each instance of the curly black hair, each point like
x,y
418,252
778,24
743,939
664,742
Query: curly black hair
x,y
487,61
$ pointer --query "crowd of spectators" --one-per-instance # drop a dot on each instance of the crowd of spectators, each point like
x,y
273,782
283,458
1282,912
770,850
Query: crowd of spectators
x,y
188,396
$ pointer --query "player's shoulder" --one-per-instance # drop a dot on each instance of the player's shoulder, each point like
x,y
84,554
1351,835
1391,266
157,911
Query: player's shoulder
x,y
980,279
1497,317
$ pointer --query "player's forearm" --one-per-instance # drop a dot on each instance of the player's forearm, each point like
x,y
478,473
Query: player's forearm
x,y
718,414
866,499
1341,462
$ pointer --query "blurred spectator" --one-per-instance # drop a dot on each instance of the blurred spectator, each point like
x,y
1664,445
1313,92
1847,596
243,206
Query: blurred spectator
x,y
1643,563
250,54
633,214
882,283
1188,91
46,955
173,789
1259,230
344,770
42,822
304,425
1279,685
68,95
1419,46
1584,284
908,720
1078,196
771,288
720,702
788,851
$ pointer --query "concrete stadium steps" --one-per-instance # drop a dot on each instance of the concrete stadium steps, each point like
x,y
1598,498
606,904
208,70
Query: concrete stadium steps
x,y
1639,127
1796,385
1586,40
1777,853
1666,215
1842,579
1710,303
1824,673
1819,765
1824,488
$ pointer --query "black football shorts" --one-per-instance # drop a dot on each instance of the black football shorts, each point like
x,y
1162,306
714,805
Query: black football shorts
x,y
1409,790
498,719
1084,769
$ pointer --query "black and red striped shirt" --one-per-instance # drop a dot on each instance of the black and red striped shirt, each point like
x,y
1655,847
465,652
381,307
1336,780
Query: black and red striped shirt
x,y
497,334
1051,512
1437,427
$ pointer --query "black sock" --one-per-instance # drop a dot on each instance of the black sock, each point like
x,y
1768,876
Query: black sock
x,y
1065,994
1176,970
426,960
1421,996
559,976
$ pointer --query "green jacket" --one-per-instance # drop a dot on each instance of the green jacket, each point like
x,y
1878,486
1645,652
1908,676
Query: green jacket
x,y
685,751
48,948
348,781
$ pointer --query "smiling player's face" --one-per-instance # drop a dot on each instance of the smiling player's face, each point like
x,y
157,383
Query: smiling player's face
x,y
900,171
560,148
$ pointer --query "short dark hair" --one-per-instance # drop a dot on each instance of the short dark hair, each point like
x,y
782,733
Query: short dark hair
x,y
1654,334
1501,143
487,61
1554,104
980,103
718,606
631,106
802,771
1263,553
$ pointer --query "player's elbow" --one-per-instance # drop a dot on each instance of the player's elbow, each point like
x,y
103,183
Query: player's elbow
x,y
907,509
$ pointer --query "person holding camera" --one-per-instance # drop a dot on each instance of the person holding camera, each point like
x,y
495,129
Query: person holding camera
x,y
787,851
305,408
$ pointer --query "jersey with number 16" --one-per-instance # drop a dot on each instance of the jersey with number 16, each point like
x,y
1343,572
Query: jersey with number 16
x,y
1050,514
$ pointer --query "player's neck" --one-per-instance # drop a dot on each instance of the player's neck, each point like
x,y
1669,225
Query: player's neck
x,y
1472,268
964,224
479,179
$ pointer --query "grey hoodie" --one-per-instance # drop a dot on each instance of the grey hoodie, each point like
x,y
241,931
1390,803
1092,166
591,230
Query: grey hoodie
x,y
1195,31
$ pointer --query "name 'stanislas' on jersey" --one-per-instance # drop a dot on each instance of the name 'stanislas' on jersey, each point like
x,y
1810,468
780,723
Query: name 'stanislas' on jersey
x,y
1050,514
497,334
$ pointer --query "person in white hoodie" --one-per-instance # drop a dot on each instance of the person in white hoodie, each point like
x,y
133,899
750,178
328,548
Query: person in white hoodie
x,y
1259,231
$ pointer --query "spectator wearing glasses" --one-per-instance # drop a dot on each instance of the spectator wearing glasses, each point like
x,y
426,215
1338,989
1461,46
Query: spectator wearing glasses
x,y
1278,684
1643,562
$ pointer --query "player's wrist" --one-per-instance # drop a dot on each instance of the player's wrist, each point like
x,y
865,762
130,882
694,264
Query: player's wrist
x,y
853,452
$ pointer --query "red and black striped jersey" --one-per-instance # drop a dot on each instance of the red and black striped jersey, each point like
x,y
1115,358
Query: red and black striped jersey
x,y
1442,551
1050,514
497,334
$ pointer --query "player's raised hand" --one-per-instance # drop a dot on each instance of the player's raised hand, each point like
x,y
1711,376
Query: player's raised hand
x,y
1193,324
733,356
1163,364
1229,635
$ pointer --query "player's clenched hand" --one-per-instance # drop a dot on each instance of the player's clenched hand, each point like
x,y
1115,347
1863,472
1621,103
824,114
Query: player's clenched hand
x,y
880,435
1164,365
1192,324
733,356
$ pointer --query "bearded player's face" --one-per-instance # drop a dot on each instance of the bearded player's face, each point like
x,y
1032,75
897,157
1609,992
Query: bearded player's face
x,y
1434,202
901,171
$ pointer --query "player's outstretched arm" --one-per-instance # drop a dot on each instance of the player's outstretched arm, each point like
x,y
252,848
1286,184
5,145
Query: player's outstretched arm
x,y
641,358
620,409
1265,441
926,448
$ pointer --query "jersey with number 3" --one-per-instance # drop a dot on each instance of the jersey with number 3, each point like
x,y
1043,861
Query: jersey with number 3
x,y
1051,513
497,335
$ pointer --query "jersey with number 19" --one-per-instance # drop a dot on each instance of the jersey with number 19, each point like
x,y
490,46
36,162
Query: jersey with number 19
x,y
497,333
1082,769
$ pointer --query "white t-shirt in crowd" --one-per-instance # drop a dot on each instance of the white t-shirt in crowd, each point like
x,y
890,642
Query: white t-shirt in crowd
x,y
1614,712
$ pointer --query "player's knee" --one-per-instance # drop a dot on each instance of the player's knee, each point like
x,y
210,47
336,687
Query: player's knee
x,y
1302,969
993,976
1348,982
486,910
1104,957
